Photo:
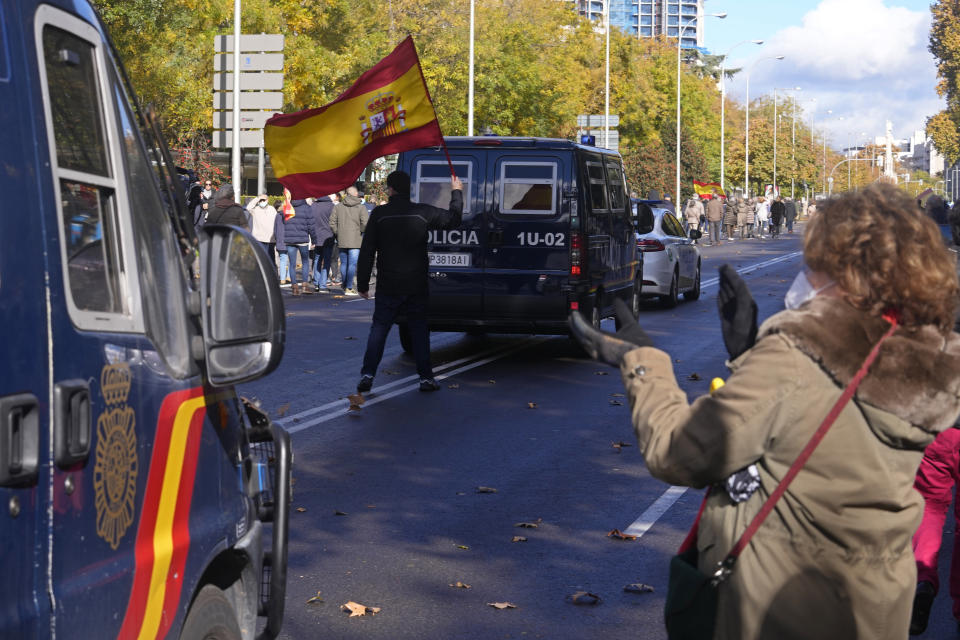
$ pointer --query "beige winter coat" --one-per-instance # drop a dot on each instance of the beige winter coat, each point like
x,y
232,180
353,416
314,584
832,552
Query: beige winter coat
x,y
348,220
834,559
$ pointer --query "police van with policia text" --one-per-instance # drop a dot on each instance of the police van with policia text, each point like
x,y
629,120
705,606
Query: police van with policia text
x,y
141,497
546,230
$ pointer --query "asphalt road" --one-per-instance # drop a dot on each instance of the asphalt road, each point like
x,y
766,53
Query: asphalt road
x,y
388,506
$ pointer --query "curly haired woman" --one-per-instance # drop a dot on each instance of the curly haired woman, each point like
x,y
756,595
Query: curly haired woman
x,y
834,558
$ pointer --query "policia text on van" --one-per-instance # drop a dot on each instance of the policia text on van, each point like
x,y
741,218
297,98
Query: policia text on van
x,y
546,229
142,499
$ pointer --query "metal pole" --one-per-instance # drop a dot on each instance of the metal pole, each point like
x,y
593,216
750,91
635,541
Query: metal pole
x,y
235,153
776,128
793,149
606,107
470,82
746,153
723,104
680,31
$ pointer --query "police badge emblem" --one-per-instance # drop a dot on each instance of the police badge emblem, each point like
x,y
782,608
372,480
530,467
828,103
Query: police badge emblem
x,y
116,466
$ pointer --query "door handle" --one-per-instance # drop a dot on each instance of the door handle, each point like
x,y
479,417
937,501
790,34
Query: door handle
x,y
72,419
19,439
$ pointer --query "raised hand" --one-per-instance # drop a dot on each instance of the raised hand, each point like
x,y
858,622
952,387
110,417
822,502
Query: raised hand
x,y
738,312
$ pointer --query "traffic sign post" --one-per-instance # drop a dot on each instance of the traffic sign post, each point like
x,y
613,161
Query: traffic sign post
x,y
242,108
593,125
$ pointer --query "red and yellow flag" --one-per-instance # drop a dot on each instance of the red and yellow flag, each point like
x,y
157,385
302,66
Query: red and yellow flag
x,y
387,110
288,210
705,189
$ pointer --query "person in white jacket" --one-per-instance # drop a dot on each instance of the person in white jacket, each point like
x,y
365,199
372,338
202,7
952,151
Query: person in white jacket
x,y
262,217
762,215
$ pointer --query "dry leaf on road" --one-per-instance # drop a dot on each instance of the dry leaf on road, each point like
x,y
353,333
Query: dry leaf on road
x,y
282,410
601,373
531,405
349,338
529,525
693,376
460,585
357,609
638,587
584,597
616,533
616,403
519,539
453,386
356,401
301,509
492,381
619,445
485,490
463,547
339,513
617,395
501,605
315,599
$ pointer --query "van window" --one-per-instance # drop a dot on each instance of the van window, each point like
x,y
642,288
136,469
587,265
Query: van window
x,y
87,200
615,185
598,186
528,187
433,183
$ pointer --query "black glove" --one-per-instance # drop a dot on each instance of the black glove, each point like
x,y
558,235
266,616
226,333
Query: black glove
x,y
607,347
738,312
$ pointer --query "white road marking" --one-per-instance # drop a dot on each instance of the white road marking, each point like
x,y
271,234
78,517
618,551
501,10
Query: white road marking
x,y
380,398
653,513
753,267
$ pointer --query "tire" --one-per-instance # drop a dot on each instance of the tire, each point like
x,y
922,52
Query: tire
x,y
595,317
634,302
406,342
670,300
694,294
211,617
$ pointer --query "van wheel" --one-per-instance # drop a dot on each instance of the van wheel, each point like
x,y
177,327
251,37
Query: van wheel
x,y
595,317
670,300
634,301
211,617
694,294
406,342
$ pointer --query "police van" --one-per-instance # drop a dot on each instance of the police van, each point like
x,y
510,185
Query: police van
x,y
140,497
546,230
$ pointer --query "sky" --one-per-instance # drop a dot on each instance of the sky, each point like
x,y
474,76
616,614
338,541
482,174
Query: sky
x,y
866,61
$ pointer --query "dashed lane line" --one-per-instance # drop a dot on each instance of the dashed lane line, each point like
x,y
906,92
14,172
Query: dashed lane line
x,y
753,267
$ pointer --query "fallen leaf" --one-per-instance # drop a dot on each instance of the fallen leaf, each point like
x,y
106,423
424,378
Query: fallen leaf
x,y
676,360
531,405
638,587
463,547
461,493
485,490
501,605
616,533
301,509
357,609
529,525
584,597
693,376
349,338
453,386
309,371
460,585
339,513
291,314
601,373
492,381
619,445
356,401
519,539
315,599
282,410
617,395
616,403
371,506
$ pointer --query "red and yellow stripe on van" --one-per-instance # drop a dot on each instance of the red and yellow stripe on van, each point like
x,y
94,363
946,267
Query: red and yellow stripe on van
x,y
163,535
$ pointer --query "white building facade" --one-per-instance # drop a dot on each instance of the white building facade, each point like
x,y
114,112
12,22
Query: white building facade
x,y
650,18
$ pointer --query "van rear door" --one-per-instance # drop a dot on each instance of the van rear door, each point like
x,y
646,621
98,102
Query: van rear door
x,y
456,256
526,258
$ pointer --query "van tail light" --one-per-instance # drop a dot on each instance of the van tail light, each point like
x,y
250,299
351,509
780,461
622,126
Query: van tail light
x,y
576,244
649,244
574,306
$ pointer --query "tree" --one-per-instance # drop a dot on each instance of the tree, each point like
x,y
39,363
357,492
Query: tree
x,y
945,47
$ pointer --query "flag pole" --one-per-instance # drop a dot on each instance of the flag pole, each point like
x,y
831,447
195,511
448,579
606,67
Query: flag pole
x,y
446,152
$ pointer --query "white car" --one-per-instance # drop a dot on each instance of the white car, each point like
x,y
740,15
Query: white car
x,y
671,260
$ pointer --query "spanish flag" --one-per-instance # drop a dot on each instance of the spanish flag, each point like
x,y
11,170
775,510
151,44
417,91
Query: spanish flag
x,y
288,210
387,110
705,189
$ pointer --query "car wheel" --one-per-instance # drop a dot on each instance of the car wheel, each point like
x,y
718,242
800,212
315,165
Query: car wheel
x,y
634,300
211,617
406,342
670,300
694,294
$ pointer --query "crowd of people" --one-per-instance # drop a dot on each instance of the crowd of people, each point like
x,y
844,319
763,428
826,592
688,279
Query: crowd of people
x,y
313,242
725,220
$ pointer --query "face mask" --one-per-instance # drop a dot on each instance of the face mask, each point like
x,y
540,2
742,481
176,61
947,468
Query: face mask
x,y
262,204
801,291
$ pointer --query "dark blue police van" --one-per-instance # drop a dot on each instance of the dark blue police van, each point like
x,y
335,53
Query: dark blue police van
x,y
547,229
143,498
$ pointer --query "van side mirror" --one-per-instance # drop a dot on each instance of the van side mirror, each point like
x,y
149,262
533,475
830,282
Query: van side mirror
x,y
241,308
695,234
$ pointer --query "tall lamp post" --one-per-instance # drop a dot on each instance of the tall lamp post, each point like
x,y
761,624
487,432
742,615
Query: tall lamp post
x,y
470,89
746,155
680,30
606,107
776,130
723,104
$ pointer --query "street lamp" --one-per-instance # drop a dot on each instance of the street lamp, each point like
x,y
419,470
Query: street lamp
x,y
776,130
606,107
746,155
680,30
470,89
723,104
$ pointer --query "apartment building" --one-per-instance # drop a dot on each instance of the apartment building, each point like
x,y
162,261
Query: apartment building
x,y
649,18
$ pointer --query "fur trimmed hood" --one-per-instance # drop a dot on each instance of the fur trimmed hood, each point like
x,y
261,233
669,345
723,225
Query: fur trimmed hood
x,y
916,376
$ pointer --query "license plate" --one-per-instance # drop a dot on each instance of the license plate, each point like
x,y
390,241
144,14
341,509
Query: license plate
x,y
449,259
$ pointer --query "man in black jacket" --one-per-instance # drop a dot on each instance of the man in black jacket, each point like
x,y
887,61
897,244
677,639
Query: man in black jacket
x,y
397,235
225,210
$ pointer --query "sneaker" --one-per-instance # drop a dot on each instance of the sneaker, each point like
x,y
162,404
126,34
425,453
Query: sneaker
x,y
428,384
316,288
322,290
366,383
922,602
350,292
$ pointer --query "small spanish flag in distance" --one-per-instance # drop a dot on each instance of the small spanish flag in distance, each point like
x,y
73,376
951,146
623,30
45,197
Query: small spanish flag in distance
x,y
388,109
705,189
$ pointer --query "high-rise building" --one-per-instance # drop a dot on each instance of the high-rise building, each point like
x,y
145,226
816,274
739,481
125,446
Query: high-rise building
x,y
649,18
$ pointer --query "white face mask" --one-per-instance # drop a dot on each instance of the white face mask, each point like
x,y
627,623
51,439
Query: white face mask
x,y
262,204
801,291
